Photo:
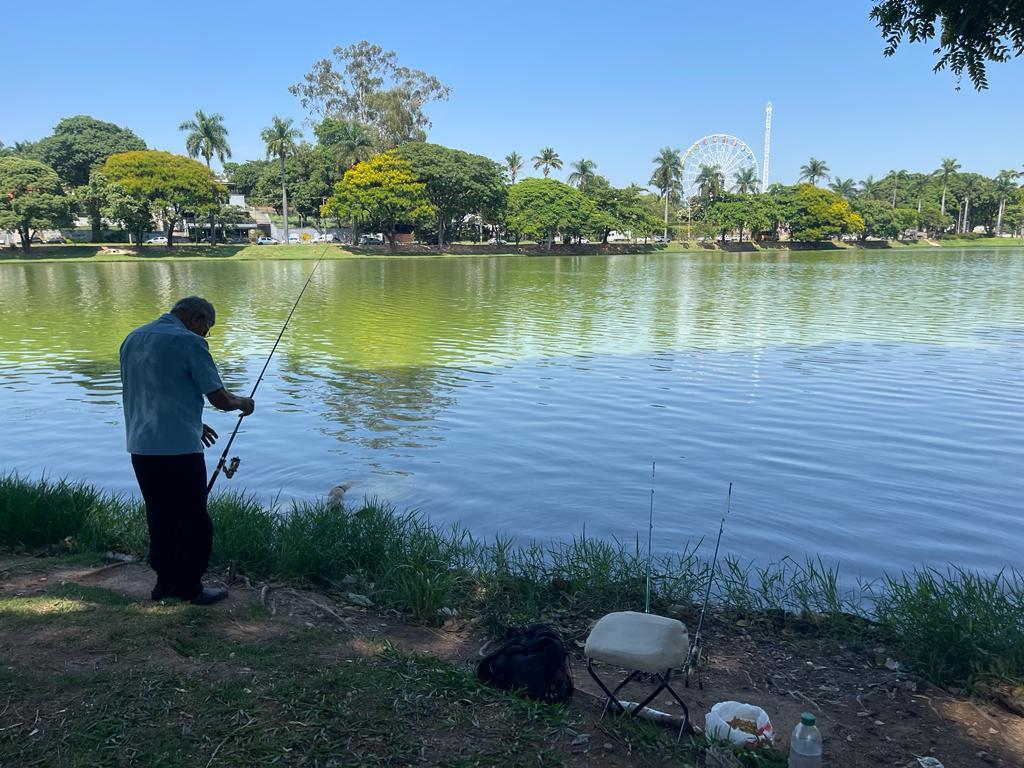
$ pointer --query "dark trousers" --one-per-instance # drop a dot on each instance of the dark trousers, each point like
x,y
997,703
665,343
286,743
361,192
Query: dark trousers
x,y
180,530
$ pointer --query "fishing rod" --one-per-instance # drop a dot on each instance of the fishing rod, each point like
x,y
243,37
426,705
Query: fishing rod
x,y
697,646
650,552
232,467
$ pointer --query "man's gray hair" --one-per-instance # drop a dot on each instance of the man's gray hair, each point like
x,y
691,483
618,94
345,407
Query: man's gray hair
x,y
196,305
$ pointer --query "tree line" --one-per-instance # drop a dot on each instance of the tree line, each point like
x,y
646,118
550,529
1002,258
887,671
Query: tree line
x,y
370,167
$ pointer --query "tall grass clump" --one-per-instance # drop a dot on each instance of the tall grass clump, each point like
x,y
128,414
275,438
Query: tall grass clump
x,y
956,627
43,512
245,532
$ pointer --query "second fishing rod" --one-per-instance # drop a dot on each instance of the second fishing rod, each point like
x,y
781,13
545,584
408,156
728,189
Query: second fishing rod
x,y
229,468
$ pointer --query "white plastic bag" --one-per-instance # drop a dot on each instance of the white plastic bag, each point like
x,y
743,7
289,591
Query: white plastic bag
x,y
716,724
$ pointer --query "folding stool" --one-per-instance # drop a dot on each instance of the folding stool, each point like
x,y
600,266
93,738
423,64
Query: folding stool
x,y
641,643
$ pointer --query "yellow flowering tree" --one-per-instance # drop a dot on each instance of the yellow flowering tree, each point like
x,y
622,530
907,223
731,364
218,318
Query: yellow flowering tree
x,y
380,194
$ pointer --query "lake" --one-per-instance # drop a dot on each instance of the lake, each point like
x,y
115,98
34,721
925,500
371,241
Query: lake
x,y
868,405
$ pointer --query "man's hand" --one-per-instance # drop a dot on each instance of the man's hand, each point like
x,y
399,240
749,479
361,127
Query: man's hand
x,y
209,436
228,402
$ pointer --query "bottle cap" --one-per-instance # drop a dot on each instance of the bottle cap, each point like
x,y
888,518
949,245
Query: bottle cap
x,y
807,718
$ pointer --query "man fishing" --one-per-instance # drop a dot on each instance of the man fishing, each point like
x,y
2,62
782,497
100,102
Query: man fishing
x,y
166,370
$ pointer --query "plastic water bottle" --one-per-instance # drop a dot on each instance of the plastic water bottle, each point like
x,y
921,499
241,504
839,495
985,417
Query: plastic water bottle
x,y
805,746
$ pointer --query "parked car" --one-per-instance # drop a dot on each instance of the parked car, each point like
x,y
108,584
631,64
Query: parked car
x,y
54,239
495,241
266,240
661,239
325,237
371,240
294,238
158,240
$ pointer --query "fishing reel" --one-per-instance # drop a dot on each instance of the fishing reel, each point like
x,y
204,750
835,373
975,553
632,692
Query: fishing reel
x,y
232,467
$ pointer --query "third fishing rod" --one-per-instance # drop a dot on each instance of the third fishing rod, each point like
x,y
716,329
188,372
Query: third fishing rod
x,y
693,658
232,467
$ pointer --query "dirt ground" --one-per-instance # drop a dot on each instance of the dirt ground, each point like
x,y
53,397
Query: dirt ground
x,y
869,714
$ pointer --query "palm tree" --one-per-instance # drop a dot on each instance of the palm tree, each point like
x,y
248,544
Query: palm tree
x,y
514,163
710,182
969,188
869,187
814,170
547,159
845,187
897,177
1005,185
582,174
667,176
207,137
949,167
280,141
354,143
745,181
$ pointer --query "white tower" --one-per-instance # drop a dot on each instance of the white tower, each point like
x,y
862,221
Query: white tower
x,y
767,144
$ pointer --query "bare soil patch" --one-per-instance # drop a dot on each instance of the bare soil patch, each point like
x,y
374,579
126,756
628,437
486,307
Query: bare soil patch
x,y
870,714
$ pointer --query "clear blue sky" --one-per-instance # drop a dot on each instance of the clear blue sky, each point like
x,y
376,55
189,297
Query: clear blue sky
x,y
612,82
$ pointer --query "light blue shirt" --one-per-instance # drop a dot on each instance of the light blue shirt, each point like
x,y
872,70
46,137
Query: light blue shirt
x,y
165,372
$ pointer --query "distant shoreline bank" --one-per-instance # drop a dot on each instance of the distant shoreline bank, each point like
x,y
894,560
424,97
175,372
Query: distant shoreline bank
x,y
189,252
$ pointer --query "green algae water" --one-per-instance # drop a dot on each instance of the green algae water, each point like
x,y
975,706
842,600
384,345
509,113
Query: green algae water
x,y
867,406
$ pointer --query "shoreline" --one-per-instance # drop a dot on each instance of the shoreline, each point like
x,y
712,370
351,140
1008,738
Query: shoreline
x,y
425,571
308,252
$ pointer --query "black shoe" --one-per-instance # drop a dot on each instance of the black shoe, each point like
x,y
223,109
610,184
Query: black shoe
x,y
210,595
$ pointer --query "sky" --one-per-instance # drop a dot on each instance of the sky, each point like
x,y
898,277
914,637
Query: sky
x,y
608,81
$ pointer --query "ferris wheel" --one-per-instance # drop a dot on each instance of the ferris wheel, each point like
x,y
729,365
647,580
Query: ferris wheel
x,y
719,150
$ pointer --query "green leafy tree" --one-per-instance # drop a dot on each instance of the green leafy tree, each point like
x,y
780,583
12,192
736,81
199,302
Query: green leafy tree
x,y
1005,186
845,187
630,209
514,164
745,181
547,159
90,199
279,139
171,184
814,170
364,83
77,147
542,208
246,176
947,172
310,178
80,144
740,213
818,214
457,183
667,177
381,193
582,174
970,32
132,213
350,142
31,198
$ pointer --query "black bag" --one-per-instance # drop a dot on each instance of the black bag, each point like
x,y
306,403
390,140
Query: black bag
x,y
532,660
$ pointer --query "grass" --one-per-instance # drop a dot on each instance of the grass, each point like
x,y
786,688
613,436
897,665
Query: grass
x,y
161,685
957,627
